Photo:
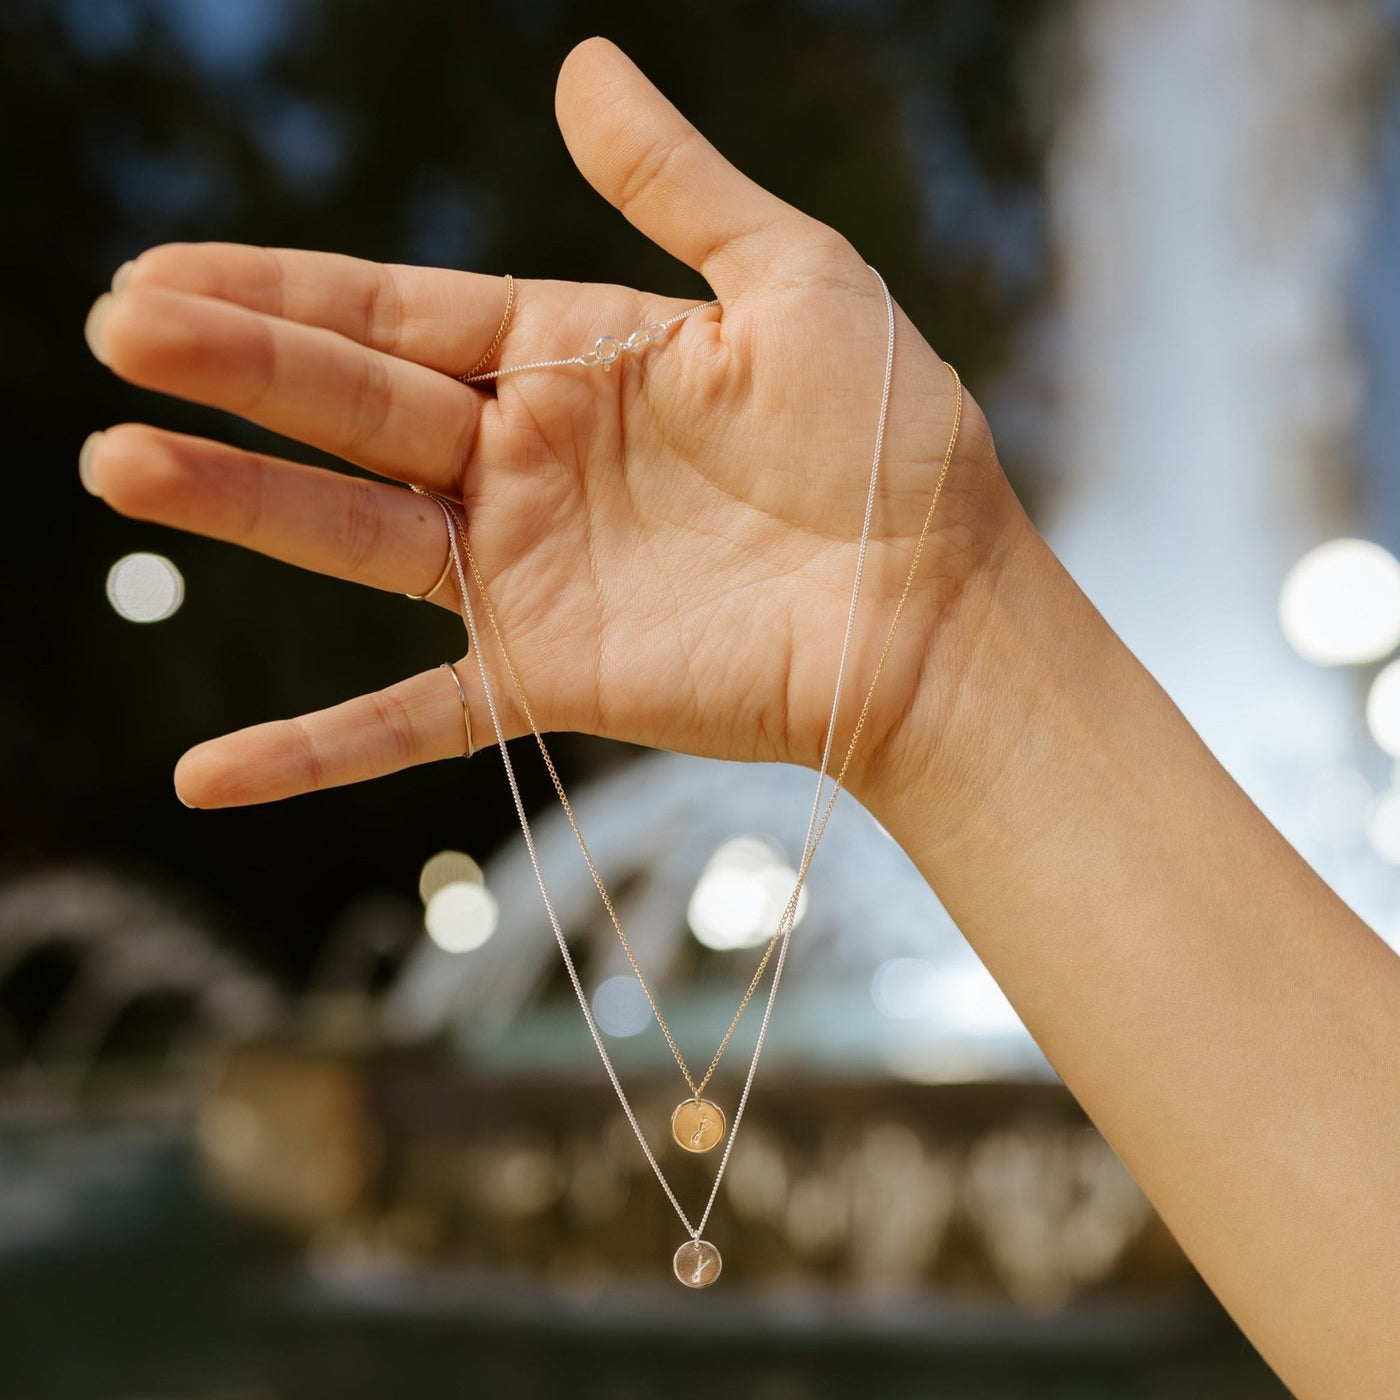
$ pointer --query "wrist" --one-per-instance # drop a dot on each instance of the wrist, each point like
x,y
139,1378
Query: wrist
x,y
932,751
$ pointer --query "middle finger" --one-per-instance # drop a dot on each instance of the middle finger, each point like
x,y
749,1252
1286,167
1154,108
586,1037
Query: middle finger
x,y
366,531
392,416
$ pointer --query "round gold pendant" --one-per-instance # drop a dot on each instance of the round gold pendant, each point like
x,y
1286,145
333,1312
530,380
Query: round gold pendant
x,y
697,1125
697,1263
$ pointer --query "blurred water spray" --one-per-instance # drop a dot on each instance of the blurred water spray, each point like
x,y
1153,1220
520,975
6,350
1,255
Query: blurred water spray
x,y
127,943
1206,188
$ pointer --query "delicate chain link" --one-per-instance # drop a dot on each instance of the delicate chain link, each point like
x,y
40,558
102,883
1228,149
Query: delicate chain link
x,y
816,829
606,351
500,332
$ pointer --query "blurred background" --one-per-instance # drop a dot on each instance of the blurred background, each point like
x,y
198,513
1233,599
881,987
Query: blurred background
x,y
295,1101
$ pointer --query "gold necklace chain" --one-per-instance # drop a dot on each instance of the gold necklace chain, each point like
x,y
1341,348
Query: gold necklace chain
x,y
698,1087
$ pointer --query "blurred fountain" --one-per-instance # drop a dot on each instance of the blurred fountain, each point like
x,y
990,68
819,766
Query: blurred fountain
x,y
125,945
1206,194
658,831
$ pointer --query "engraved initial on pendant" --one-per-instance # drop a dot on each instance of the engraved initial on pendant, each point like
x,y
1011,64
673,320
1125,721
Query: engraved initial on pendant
x,y
697,1263
697,1125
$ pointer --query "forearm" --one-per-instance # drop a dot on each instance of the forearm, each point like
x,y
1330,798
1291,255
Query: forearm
x,y
1230,1026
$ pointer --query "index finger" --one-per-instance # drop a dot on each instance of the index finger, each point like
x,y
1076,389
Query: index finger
x,y
437,317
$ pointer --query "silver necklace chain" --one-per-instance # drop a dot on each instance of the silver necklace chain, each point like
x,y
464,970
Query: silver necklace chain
x,y
607,349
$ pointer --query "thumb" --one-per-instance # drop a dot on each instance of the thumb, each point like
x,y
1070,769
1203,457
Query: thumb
x,y
645,158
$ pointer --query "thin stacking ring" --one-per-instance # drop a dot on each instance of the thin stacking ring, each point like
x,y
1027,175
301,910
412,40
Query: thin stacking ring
x,y
462,696
500,333
446,568
441,579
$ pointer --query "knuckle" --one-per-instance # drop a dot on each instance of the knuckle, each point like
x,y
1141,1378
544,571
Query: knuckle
x,y
254,498
370,405
648,171
363,526
261,360
383,315
308,755
397,725
274,288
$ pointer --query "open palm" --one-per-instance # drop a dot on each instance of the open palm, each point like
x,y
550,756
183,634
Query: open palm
x,y
669,547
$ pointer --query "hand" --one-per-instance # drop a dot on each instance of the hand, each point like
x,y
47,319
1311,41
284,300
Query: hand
x,y
669,547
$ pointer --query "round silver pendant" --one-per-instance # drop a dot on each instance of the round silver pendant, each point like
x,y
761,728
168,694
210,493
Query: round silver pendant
x,y
697,1263
697,1125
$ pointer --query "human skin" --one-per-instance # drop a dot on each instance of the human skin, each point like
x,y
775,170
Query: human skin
x,y
669,548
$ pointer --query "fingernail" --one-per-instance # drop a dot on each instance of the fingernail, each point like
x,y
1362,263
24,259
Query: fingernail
x,y
190,805
85,455
121,274
92,331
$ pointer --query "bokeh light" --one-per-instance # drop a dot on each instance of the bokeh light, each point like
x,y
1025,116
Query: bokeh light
x,y
461,916
1338,806
620,1006
1383,826
961,998
1340,603
741,895
145,587
447,868
1383,709
904,988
